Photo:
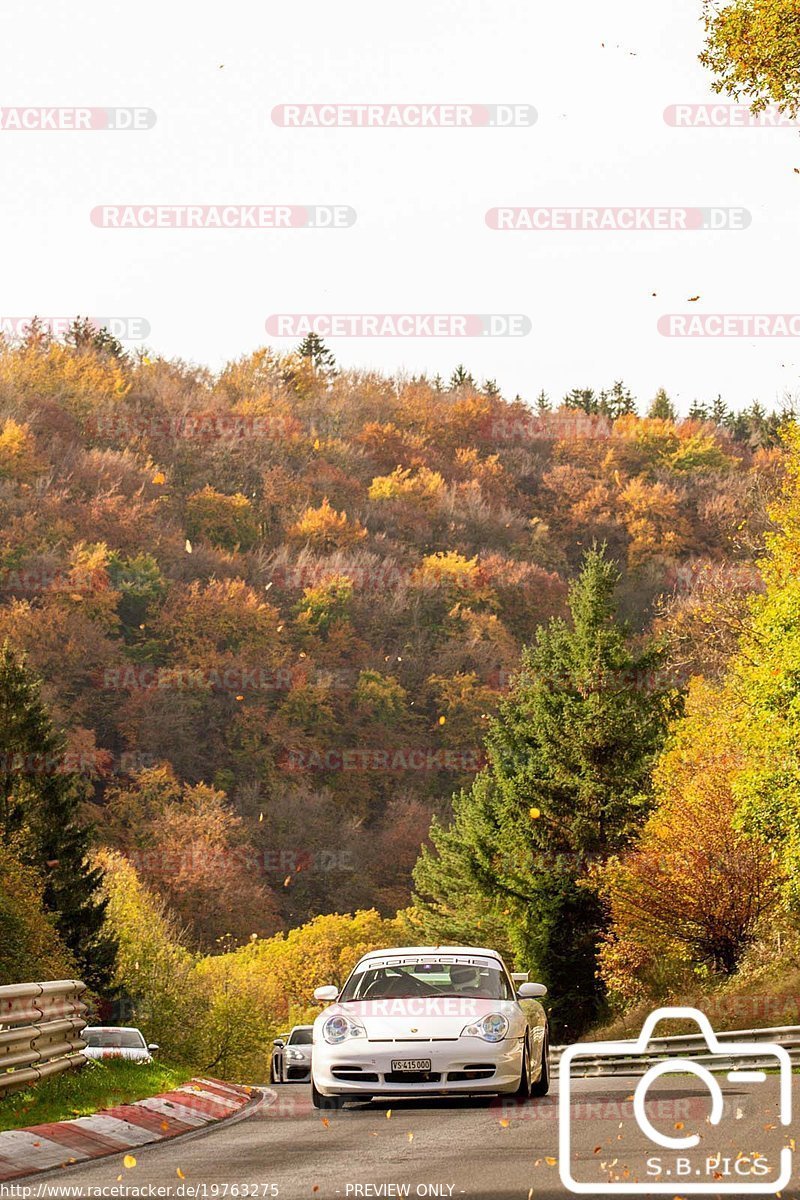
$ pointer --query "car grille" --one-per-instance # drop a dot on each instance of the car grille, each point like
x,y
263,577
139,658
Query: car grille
x,y
470,1072
353,1073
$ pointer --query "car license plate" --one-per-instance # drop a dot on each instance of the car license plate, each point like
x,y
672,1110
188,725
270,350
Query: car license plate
x,y
411,1064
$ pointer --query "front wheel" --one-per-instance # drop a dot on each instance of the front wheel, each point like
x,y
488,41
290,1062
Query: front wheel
x,y
320,1101
542,1085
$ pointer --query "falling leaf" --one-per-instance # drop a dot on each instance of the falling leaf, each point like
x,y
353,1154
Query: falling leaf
x,y
388,1113
504,1124
679,1124
240,697
597,1149
129,1161
797,170
159,477
287,881
188,545
535,813
165,1126
76,596
410,1136
551,1162
739,1114
693,299
326,1122
442,720
118,1178
179,1173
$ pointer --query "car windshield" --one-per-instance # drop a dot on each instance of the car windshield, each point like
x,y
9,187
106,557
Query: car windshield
x,y
403,978
114,1039
300,1037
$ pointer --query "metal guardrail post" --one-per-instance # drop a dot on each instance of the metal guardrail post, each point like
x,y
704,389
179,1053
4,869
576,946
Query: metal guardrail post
x,y
40,1031
692,1045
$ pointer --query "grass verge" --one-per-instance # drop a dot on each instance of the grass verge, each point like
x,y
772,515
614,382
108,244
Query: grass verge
x,y
80,1093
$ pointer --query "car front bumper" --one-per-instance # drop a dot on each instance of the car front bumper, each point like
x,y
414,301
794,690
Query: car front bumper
x,y
465,1064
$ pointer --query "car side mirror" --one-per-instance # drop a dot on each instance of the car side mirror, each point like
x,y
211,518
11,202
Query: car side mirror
x,y
327,994
153,1047
279,1043
531,991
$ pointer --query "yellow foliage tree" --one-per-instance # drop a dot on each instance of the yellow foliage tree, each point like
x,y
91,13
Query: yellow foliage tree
x,y
326,529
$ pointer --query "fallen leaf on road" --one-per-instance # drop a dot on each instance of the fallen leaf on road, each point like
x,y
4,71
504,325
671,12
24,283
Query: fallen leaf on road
x,y
388,1113
410,1136
504,1124
597,1149
129,1161
179,1173
551,1162
326,1122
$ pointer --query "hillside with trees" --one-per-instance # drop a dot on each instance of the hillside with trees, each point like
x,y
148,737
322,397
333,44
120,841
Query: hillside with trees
x,y
270,617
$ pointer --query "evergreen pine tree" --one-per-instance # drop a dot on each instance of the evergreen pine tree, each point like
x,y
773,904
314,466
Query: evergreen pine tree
x,y
460,378
698,411
566,785
39,819
661,407
314,348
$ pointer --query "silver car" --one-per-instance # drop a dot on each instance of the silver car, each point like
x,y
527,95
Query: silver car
x,y
117,1041
291,1056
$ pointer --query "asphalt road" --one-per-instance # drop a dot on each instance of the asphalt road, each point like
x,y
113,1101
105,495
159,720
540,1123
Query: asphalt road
x,y
480,1149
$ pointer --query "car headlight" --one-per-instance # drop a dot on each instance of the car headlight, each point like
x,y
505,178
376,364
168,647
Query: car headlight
x,y
339,1029
492,1028
294,1054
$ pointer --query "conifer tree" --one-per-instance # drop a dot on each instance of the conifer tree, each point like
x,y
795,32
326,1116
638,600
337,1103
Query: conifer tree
x,y
39,820
566,785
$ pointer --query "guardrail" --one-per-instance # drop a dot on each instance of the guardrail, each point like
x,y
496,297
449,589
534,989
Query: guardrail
x,y
692,1045
40,1031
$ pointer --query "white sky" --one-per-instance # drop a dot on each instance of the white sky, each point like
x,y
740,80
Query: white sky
x,y
420,243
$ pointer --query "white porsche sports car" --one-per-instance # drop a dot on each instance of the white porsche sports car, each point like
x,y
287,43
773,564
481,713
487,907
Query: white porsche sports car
x,y
424,1020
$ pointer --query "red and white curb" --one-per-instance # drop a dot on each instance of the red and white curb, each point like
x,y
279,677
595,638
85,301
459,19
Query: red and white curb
x,y
61,1143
